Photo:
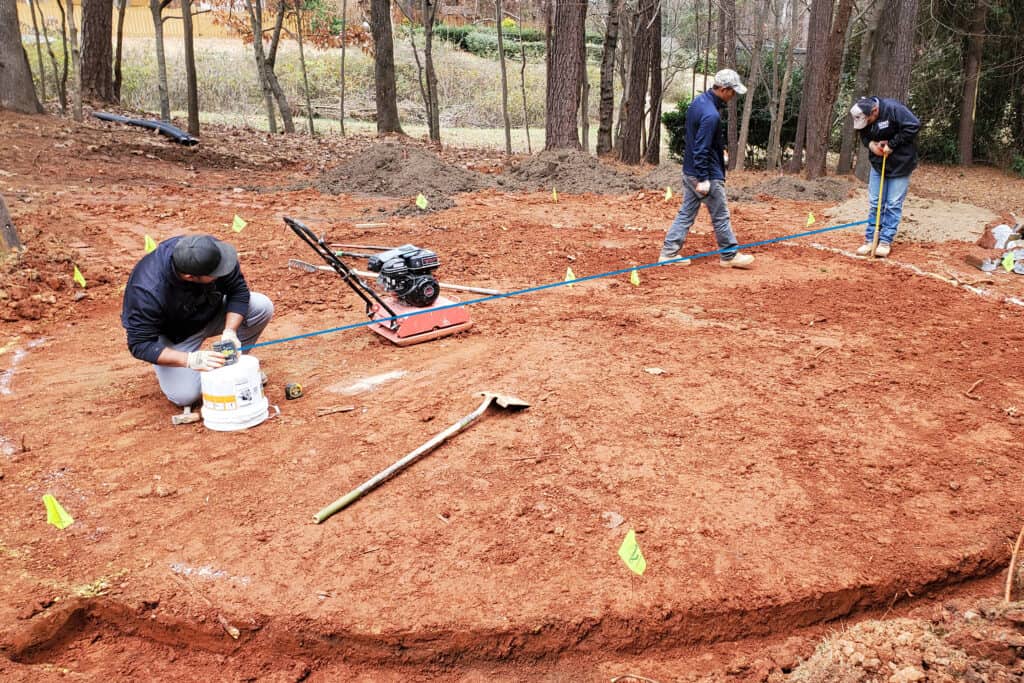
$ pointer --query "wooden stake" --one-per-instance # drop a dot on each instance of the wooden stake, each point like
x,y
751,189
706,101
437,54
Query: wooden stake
x,y
1013,565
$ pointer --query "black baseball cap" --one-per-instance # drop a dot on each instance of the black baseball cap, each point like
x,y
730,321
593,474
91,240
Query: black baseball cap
x,y
204,255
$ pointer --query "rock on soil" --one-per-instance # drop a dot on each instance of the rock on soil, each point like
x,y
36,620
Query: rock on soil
x,y
982,641
401,171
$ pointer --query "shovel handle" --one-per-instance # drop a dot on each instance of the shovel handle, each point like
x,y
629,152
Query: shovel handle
x,y
376,480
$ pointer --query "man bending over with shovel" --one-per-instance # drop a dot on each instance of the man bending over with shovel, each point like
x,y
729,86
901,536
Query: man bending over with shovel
x,y
188,289
704,174
889,130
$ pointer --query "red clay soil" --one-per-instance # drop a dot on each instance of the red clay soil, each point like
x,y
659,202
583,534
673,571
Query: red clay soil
x,y
809,452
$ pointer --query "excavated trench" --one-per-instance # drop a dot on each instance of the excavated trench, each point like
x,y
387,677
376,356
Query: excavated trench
x,y
78,620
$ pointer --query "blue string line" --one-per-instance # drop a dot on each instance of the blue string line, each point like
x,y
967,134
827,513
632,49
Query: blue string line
x,y
550,285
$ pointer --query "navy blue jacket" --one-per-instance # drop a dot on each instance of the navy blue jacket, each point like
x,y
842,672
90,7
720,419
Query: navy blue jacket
x,y
157,302
899,126
704,158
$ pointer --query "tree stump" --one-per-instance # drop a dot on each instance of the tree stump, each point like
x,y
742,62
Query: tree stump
x,y
8,234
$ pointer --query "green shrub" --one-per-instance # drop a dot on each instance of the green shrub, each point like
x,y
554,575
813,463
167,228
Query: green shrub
x,y
675,125
1018,166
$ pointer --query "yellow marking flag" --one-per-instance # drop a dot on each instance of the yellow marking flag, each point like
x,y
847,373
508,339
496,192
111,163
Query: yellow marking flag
x,y
422,202
569,275
631,554
554,195
634,278
1008,259
55,514
810,218
149,245
668,193
78,277
238,224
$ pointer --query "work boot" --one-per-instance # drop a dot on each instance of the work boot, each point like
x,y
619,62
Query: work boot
x,y
882,250
738,261
864,249
682,262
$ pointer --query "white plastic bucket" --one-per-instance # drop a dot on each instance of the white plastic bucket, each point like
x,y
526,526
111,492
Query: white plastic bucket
x,y
233,396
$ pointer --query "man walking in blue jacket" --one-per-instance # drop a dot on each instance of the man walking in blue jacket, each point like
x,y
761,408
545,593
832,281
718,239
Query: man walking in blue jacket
x,y
704,174
188,289
889,130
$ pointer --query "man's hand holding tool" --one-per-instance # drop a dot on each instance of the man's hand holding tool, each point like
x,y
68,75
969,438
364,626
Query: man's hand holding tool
x,y
205,360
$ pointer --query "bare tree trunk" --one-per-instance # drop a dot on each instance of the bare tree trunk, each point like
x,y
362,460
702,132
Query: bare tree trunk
x,y
39,51
652,151
728,40
97,55
752,85
76,63
344,40
860,87
17,91
817,29
57,83
191,87
774,156
707,45
122,5
156,9
627,22
429,10
506,120
606,109
305,77
819,119
584,96
384,67
522,83
255,10
632,115
275,85
65,39
9,240
972,70
893,56
563,74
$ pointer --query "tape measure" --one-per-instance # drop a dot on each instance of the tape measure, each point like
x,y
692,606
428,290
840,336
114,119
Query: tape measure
x,y
292,390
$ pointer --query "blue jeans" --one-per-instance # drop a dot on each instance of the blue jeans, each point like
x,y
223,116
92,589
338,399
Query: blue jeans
x,y
182,386
895,192
715,201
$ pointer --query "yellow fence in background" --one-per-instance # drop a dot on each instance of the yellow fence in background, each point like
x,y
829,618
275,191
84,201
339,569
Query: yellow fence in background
x,y
138,22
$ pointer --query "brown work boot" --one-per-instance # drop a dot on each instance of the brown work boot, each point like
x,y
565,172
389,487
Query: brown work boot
x,y
738,261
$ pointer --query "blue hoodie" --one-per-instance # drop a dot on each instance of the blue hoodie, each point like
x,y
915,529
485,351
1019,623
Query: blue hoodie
x,y
704,158
157,302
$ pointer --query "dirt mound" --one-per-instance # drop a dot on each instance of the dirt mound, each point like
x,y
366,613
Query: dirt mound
x,y
666,175
793,187
570,172
401,171
955,642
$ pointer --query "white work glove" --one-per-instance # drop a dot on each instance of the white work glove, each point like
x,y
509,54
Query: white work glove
x,y
205,360
703,187
231,336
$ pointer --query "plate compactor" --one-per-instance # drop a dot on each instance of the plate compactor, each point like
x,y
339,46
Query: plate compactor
x,y
413,309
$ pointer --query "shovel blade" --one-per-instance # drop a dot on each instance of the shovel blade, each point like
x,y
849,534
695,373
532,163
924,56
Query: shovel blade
x,y
506,400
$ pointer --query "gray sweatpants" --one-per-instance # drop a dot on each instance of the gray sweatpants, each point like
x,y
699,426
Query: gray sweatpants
x,y
182,386
719,210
